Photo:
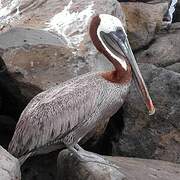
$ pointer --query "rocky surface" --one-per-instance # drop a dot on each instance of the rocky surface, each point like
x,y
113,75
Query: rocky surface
x,y
117,168
19,36
7,126
69,167
174,67
156,136
36,65
143,20
9,166
165,50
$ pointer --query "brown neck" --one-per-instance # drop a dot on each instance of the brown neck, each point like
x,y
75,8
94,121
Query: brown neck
x,y
119,75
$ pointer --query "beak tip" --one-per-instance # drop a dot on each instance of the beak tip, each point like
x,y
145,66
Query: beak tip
x,y
151,112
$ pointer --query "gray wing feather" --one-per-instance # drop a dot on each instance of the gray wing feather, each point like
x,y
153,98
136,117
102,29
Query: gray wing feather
x,y
53,113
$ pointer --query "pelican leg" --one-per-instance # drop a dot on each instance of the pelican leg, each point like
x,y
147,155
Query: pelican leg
x,y
85,156
78,147
76,153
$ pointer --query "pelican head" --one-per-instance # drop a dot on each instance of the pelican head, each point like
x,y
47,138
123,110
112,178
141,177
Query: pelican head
x,y
109,37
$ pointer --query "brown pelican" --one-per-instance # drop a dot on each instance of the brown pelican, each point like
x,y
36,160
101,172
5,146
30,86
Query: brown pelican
x,y
63,115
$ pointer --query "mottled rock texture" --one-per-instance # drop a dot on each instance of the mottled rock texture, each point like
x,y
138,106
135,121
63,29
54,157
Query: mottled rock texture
x,y
70,168
37,65
165,50
156,136
143,20
174,67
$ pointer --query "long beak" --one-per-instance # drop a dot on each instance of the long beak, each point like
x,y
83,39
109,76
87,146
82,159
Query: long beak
x,y
139,79
120,44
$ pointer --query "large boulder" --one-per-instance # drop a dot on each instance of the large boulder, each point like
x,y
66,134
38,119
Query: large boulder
x,y
155,136
9,166
143,20
69,167
67,18
37,59
174,67
165,50
115,168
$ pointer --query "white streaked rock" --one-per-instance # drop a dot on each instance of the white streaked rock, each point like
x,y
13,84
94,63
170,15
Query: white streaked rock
x,y
9,166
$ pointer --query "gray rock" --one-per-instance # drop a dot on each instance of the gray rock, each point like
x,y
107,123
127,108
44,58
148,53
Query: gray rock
x,y
165,50
156,136
70,168
9,166
174,67
146,169
18,37
7,126
38,67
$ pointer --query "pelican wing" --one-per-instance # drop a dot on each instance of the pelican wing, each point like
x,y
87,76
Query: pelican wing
x,y
53,113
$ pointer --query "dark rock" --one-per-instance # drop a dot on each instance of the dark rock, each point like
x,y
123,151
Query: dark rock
x,y
70,168
176,17
154,136
41,167
165,50
103,143
2,70
7,126
12,101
